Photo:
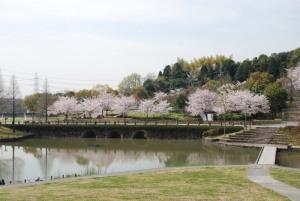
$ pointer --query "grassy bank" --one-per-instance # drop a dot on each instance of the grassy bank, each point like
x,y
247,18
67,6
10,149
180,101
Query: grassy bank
x,y
168,116
8,133
287,176
176,184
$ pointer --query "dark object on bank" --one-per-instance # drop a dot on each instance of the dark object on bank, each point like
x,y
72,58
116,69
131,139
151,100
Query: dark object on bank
x,y
38,179
2,182
95,145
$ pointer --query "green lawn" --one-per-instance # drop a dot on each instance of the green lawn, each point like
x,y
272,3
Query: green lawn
x,y
288,176
37,119
168,116
176,184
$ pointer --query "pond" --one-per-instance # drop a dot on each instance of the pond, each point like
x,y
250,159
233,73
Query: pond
x,y
288,158
57,157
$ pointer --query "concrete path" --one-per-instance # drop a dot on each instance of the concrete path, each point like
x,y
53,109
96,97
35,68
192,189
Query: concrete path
x,y
260,175
268,156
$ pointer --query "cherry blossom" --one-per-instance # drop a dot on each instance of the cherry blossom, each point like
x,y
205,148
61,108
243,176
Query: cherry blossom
x,y
201,102
122,105
248,103
65,105
107,101
154,106
159,96
147,106
91,107
162,107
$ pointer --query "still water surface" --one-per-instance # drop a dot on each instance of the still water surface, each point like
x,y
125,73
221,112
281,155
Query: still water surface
x,y
55,157
288,158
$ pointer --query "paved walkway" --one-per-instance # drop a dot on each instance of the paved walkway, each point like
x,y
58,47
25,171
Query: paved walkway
x,y
268,156
260,175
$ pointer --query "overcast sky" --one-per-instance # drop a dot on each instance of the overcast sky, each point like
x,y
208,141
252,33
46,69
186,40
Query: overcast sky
x,y
79,43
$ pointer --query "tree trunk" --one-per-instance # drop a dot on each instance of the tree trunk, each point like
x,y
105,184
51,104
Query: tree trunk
x,y
224,125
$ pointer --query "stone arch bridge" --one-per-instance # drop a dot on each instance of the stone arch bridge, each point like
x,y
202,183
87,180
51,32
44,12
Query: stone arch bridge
x,y
120,131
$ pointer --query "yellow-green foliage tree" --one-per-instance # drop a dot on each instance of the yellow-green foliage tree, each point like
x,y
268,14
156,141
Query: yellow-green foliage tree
x,y
258,81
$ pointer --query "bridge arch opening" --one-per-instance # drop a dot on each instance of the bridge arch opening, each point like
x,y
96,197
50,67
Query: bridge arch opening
x,y
114,135
139,135
89,134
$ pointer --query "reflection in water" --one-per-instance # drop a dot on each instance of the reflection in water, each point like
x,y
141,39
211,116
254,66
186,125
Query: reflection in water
x,y
55,157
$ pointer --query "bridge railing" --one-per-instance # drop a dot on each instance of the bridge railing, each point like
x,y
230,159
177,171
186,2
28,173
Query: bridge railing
x,y
131,122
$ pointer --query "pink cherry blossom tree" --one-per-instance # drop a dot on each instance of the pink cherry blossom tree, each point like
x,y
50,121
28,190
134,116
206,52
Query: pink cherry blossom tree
x,y
91,107
201,102
248,103
154,106
107,101
159,96
162,107
122,105
66,106
147,107
224,105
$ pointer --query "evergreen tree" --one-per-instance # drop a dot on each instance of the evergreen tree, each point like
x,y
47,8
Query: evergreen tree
x,y
167,72
229,68
274,67
243,70
277,96
150,86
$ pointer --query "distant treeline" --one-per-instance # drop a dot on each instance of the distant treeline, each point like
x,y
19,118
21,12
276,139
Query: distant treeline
x,y
198,72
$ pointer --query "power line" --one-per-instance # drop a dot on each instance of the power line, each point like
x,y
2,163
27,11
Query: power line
x,y
61,83
59,78
31,80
